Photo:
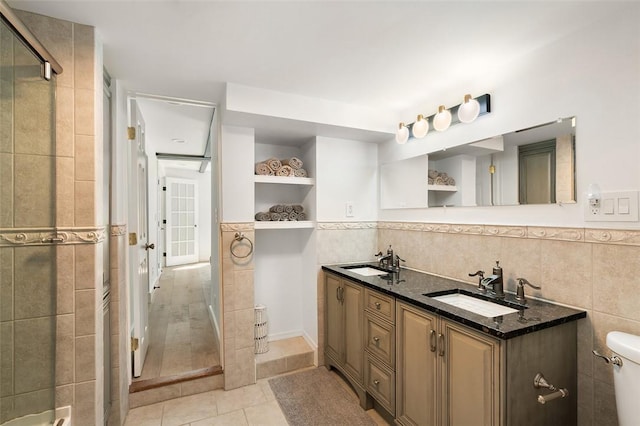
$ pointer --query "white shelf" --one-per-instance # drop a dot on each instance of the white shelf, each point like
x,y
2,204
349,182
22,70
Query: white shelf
x,y
449,188
290,180
285,224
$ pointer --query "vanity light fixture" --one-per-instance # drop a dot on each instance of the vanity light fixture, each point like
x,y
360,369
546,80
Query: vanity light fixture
x,y
442,120
402,135
466,112
420,127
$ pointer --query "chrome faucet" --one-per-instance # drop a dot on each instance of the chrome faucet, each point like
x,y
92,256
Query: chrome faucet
x,y
389,261
494,282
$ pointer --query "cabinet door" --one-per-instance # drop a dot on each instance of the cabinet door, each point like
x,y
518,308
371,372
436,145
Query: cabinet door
x,y
352,295
470,377
416,366
334,318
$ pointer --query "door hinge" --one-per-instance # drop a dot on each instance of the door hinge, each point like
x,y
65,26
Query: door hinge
x,y
135,344
164,188
133,239
164,254
131,133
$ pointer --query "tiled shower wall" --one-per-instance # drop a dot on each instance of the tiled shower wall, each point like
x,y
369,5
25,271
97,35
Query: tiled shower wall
x,y
590,269
79,270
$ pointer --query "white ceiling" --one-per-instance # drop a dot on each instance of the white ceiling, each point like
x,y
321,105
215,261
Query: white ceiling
x,y
388,53
173,127
363,52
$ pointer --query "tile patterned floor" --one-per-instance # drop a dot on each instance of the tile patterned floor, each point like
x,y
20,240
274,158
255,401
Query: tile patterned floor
x,y
249,405
181,337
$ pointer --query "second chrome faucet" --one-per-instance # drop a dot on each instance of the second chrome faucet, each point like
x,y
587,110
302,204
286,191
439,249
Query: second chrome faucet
x,y
493,283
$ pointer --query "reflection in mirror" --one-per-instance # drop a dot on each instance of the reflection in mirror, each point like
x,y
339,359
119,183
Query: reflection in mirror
x,y
529,166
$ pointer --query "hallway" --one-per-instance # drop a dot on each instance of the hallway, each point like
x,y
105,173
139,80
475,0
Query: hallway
x,y
181,337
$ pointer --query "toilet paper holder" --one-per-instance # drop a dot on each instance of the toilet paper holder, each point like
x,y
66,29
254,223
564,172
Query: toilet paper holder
x,y
540,382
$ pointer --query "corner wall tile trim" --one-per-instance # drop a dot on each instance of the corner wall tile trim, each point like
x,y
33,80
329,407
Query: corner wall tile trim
x,y
51,236
118,230
240,227
627,237
346,225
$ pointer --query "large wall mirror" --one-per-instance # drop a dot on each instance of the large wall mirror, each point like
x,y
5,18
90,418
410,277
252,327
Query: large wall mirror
x,y
535,165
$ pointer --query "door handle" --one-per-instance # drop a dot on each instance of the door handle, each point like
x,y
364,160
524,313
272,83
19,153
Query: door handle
x,y
149,246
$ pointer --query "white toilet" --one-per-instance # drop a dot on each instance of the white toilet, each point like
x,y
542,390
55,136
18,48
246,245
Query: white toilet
x,y
626,377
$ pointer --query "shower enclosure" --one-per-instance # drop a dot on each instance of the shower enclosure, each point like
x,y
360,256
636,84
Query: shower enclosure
x,y
27,229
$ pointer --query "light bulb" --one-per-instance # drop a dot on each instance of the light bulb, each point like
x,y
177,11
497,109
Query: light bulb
x,y
402,135
442,119
468,110
420,127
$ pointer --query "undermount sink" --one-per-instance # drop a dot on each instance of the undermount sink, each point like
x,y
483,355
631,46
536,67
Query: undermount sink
x,y
470,302
365,270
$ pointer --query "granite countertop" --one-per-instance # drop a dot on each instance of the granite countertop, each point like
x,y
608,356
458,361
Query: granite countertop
x,y
410,286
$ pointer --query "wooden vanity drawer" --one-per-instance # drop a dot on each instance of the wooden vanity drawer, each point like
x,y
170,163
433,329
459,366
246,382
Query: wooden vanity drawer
x,y
381,304
380,382
380,339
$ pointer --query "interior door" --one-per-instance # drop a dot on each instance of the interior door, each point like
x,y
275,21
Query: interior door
x,y
138,240
182,221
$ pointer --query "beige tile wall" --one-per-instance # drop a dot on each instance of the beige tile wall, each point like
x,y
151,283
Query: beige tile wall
x,y
238,308
119,377
79,293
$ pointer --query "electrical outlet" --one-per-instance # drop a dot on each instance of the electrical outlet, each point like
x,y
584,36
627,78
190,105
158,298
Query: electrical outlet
x,y
348,209
619,206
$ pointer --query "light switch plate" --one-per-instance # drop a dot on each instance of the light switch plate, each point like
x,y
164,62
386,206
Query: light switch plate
x,y
620,206
348,209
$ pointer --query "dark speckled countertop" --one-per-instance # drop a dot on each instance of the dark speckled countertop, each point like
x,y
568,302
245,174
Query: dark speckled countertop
x,y
410,286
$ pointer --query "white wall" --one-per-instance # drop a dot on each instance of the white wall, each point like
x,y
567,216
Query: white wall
x,y
237,154
347,172
591,74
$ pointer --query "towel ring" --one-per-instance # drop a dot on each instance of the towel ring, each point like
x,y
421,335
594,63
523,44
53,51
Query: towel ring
x,y
237,238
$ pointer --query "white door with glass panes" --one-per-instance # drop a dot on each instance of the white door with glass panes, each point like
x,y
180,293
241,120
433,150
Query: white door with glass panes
x,y
182,221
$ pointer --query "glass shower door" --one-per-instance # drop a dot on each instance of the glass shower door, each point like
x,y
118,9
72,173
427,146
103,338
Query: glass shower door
x,y
27,221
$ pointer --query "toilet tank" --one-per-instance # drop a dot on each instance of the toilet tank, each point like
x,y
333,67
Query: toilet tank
x,y
626,377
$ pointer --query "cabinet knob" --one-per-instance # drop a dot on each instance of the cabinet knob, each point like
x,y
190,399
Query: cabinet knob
x,y
376,339
376,382
377,305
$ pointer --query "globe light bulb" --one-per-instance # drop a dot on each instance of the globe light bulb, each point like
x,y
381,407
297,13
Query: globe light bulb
x,y
468,110
442,119
402,135
420,127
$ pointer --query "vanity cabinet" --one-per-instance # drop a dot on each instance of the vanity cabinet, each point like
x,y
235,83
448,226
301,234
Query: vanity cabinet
x,y
380,348
425,368
448,374
344,329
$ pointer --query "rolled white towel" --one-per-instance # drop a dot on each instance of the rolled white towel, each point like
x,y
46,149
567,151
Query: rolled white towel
x,y
299,172
293,162
263,169
284,171
274,164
